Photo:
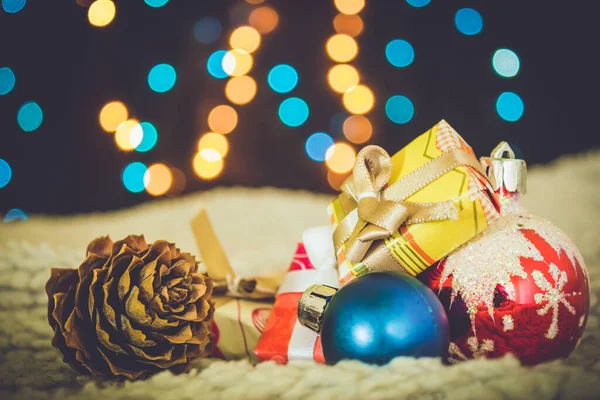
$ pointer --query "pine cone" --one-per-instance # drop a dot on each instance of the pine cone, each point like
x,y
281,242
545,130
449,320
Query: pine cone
x,y
130,310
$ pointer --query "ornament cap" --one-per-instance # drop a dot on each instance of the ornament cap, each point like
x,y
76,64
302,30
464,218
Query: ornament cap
x,y
504,171
312,305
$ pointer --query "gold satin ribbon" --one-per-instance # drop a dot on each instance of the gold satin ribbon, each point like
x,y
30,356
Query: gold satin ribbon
x,y
382,210
219,269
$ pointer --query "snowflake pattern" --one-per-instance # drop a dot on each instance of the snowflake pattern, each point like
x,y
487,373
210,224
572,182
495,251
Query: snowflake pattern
x,y
553,295
478,350
508,323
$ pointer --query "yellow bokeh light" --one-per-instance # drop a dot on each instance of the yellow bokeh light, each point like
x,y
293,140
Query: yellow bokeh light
x,y
343,77
351,25
222,119
336,180
101,12
245,38
359,100
340,158
264,19
158,179
349,6
237,62
240,89
129,135
341,48
357,129
214,141
112,115
206,169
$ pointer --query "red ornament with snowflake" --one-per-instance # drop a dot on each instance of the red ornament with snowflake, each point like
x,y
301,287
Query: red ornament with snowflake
x,y
520,287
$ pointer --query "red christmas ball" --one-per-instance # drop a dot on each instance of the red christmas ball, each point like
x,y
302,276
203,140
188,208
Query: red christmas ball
x,y
520,287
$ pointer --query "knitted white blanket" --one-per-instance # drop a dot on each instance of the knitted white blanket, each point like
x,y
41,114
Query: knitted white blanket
x,y
259,229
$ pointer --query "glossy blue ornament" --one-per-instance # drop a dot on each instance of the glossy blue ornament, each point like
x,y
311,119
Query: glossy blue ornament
x,y
382,315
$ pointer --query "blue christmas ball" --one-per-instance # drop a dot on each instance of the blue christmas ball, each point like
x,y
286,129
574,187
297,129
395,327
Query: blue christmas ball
x,y
383,315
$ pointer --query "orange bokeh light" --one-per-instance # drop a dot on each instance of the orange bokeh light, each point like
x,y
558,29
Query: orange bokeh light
x,y
213,141
237,62
254,1
245,38
357,129
178,182
240,89
129,135
351,25
112,115
349,6
343,77
336,180
222,119
207,169
340,158
359,100
341,48
158,179
264,19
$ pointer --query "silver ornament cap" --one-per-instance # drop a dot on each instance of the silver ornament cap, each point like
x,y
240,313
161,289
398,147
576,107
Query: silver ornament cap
x,y
505,170
312,305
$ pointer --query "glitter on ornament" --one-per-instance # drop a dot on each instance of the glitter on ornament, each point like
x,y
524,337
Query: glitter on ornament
x,y
581,321
477,350
508,322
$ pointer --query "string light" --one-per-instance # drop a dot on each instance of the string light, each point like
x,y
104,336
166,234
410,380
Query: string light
x,y
207,30
317,144
341,48
129,135
336,122
336,180
340,158
214,64
418,3
101,13
351,25
149,137
357,129
264,19
7,80
222,119
156,3
13,6
178,182
468,21
254,1
293,111
5,173
506,63
399,109
359,100
245,38
162,77
214,141
133,177
158,179
282,78
112,115
237,62
349,6
14,215
207,169
240,89
343,77
30,116
399,53
509,106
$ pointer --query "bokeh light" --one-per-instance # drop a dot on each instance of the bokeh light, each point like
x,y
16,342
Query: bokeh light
x,y
213,141
156,3
399,109
158,179
293,111
237,62
351,25
149,138
468,21
357,129
343,77
506,63
340,158
282,78
133,177
30,116
359,100
112,115
129,135
336,180
418,3
207,30
341,48
399,53
240,89
178,184
207,169
336,123
5,173
7,80
162,77
16,214
245,38
254,1
222,119
101,13
317,144
214,64
263,19
349,6
509,106
13,6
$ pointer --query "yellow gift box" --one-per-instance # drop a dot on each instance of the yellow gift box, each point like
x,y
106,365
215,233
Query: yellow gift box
x,y
407,212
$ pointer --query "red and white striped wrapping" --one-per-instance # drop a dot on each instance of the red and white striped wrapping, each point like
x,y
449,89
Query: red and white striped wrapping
x,y
284,338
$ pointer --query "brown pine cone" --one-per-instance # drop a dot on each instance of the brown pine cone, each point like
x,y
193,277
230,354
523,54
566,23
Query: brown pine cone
x,y
130,310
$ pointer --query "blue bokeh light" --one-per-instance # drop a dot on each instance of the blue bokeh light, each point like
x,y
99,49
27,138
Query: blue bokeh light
x,y
399,53
214,65
418,3
5,173
30,116
149,139
7,80
317,144
399,109
282,78
162,77
207,30
13,6
336,123
468,21
133,177
506,63
293,111
509,106
156,3
16,214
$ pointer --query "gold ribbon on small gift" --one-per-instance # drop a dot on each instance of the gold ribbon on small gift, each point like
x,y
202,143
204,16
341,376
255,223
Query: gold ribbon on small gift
x,y
382,210
219,269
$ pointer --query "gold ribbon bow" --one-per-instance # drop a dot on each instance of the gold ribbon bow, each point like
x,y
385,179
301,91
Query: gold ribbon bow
x,y
382,210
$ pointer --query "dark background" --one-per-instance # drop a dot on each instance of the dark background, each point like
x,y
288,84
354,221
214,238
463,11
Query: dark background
x,y
72,69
